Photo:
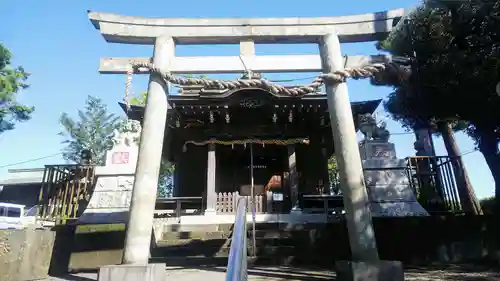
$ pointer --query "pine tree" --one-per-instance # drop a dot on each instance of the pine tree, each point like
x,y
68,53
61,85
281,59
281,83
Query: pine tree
x,y
11,81
456,68
93,130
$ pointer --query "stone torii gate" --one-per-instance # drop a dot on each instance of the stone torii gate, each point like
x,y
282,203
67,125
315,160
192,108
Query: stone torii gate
x,y
328,32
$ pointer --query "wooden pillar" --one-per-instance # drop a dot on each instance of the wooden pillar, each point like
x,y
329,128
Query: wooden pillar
x,y
293,178
352,183
176,189
140,224
324,170
211,194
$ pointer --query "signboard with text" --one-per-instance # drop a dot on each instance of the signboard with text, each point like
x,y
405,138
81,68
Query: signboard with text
x,y
120,158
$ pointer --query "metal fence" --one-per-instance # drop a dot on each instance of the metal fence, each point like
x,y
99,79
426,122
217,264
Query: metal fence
x,y
434,181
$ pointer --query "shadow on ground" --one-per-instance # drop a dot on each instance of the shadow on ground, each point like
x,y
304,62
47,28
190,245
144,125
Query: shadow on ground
x,y
457,272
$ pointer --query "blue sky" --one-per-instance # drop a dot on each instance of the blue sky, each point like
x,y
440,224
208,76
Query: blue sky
x,y
55,41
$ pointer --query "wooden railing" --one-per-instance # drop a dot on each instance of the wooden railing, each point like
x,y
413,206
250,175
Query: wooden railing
x,y
178,206
65,192
227,202
326,204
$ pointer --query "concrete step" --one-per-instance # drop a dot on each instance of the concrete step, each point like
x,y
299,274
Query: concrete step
x,y
222,261
207,235
260,241
214,251
189,252
188,242
195,235
190,261
271,234
258,226
178,238
296,260
270,240
252,261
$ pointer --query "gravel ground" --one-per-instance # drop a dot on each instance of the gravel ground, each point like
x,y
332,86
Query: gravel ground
x,y
455,273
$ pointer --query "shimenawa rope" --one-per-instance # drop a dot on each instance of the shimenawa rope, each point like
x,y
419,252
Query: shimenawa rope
x,y
332,78
248,141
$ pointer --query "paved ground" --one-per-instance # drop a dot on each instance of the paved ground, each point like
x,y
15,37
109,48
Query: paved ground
x,y
455,273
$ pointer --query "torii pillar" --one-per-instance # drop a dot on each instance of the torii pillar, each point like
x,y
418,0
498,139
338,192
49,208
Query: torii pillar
x,y
365,264
140,225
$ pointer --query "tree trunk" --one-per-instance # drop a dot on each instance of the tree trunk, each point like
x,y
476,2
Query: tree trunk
x,y
468,198
488,145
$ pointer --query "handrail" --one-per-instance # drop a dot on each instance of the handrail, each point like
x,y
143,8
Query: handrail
x,y
237,263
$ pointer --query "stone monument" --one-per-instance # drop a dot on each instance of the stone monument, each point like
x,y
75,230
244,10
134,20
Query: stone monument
x,y
386,176
110,201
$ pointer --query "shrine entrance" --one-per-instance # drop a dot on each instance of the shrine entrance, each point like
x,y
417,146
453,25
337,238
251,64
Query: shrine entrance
x,y
242,166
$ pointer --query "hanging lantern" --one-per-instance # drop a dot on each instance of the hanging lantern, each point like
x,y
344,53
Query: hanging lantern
x,y
212,119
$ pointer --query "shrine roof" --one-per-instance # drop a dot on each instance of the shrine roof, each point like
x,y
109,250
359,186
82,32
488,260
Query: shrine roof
x,y
237,98
358,107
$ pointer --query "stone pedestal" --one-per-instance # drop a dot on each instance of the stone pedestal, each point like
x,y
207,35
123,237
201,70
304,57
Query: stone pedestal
x,y
369,271
133,272
387,181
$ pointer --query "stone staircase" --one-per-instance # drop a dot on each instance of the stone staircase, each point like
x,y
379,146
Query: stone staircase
x,y
276,244
192,248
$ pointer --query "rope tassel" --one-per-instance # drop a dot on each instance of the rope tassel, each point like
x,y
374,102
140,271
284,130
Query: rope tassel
x,y
128,85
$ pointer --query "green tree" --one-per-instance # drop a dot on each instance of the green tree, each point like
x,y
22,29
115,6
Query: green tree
x,y
12,80
139,99
454,73
166,177
93,130
333,175
488,205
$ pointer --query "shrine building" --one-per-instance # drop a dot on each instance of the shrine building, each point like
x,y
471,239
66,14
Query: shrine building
x,y
214,138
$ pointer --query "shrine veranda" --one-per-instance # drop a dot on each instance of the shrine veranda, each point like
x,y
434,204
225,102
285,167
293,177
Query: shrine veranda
x,y
249,141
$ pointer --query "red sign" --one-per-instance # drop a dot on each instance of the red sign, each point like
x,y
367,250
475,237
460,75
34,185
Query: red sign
x,y
120,158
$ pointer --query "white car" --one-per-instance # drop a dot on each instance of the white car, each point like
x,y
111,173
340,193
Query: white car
x,y
12,216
